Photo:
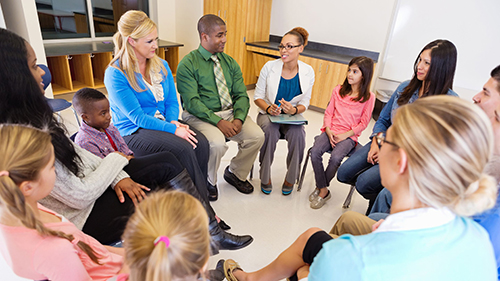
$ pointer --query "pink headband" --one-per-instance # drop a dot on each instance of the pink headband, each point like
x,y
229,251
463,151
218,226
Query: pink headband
x,y
4,173
162,239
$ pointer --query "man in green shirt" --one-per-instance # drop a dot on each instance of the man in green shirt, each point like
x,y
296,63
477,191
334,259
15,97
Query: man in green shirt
x,y
216,103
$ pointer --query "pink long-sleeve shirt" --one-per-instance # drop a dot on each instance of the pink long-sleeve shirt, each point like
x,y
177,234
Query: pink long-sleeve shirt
x,y
33,256
344,114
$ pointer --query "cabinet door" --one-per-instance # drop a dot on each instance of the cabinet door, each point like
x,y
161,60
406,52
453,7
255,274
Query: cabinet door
x,y
334,74
234,13
212,7
318,67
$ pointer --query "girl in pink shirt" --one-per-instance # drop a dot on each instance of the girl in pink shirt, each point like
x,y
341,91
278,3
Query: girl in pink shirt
x,y
36,242
347,115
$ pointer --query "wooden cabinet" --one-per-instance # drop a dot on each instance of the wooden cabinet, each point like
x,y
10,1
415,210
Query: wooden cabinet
x,y
171,55
78,65
73,72
246,21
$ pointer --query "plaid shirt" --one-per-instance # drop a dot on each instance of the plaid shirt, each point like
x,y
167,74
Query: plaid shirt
x,y
98,143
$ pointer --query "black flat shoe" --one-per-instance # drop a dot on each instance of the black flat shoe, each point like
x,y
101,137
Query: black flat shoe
x,y
242,186
213,193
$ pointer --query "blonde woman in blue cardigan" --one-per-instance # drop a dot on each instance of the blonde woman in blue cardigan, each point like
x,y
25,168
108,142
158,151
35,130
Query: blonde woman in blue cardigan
x,y
284,87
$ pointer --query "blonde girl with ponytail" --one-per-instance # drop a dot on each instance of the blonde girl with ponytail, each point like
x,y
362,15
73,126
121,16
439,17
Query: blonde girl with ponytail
x,y
166,239
38,243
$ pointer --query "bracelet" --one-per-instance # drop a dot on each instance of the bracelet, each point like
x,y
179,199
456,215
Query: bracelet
x,y
296,111
267,110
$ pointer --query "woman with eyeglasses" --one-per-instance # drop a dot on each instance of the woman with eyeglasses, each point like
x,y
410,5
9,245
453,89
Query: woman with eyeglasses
x,y
434,70
432,159
284,87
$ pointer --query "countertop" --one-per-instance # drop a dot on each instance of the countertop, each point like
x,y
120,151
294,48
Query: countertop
x,y
77,48
321,51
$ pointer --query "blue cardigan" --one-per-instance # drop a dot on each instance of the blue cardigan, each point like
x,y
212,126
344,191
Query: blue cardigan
x,y
132,110
385,119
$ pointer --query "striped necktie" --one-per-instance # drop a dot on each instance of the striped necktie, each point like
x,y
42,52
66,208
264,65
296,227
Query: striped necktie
x,y
225,98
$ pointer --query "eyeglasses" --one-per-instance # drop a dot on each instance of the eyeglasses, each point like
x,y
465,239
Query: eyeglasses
x,y
380,137
288,47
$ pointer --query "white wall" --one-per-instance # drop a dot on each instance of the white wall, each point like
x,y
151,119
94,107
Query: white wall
x,y
21,17
166,19
188,13
177,20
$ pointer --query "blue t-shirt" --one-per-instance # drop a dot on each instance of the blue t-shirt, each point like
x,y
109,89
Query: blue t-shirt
x,y
457,250
288,89
490,220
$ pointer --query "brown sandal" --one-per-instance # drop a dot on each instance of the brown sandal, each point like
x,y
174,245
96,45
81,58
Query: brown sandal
x,y
230,266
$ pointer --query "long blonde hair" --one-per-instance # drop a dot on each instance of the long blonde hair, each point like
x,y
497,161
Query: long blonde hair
x,y
448,141
136,25
25,151
181,218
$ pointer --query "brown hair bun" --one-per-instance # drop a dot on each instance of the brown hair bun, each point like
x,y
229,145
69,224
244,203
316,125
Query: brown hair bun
x,y
301,33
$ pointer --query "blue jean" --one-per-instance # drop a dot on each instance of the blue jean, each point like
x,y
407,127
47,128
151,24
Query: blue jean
x,y
383,202
356,170
337,154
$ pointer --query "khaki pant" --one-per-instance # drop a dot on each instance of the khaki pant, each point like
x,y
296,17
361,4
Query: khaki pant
x,y
249,140
352,223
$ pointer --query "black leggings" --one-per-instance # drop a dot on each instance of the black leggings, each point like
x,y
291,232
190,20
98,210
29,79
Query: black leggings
x,y
108,217
145,142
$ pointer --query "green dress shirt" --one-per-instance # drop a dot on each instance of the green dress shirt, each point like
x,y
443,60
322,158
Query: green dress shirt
x,y
198,89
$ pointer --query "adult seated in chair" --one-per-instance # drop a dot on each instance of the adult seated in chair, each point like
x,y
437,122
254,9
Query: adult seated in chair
x,y
144,102
489,101
216,103
284,87
437,179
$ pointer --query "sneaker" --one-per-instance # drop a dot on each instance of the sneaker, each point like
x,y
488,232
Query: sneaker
x,y
286,190
266,188
314,194
318,202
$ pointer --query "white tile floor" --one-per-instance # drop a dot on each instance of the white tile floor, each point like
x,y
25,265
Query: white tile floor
x,y
273,220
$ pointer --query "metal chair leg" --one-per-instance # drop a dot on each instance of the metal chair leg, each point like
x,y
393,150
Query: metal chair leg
x,y
348,199
301,179
76,116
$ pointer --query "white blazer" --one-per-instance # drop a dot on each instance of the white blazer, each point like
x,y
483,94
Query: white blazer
x,y
269,81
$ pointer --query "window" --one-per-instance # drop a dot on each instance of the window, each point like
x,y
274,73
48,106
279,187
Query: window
x,y
64,19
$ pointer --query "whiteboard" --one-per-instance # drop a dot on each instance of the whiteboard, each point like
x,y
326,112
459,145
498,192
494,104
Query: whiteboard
x,y
473,26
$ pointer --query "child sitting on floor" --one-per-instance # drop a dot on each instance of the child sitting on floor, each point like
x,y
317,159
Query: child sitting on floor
x,y
97,134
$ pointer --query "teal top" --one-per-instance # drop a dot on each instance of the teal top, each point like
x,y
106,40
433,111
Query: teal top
x,y
288,89
198,89
457,250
